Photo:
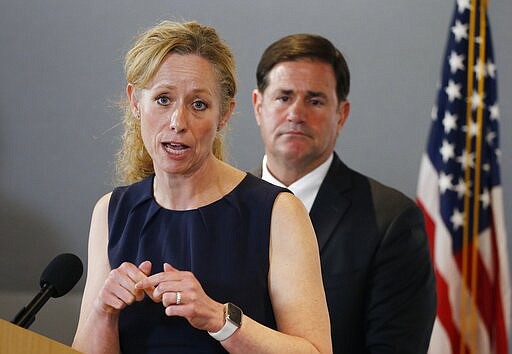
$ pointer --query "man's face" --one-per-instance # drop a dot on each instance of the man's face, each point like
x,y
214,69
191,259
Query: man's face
x,y
299,114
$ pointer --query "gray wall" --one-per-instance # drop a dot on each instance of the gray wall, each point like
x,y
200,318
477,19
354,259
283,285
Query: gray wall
x,y
61,73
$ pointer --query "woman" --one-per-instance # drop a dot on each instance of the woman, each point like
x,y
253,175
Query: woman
x,y
194,255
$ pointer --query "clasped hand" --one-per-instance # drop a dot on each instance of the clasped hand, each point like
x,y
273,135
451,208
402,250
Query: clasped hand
x,y
179,292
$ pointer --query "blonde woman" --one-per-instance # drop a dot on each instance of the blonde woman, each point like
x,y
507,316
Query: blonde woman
x,y
193,255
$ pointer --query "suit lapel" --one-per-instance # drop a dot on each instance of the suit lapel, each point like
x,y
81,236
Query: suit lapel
x,y
331,202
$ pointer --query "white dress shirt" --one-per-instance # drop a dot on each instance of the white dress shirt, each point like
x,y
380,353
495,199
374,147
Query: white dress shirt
x,y
305,188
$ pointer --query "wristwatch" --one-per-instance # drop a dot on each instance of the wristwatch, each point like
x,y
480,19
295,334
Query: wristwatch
x,y
233,321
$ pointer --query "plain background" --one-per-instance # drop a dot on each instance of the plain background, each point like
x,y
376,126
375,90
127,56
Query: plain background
x,y
61,73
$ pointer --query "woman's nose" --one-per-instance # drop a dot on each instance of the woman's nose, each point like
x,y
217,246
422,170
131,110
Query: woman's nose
x,y
178,121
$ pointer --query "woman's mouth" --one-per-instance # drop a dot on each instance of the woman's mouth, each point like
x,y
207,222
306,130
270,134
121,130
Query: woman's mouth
x,y
175,148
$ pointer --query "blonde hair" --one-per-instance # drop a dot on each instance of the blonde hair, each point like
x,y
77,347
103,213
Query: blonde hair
x,y
141,64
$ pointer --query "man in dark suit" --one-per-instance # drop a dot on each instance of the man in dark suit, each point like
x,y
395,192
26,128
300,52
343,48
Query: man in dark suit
x,y
377,272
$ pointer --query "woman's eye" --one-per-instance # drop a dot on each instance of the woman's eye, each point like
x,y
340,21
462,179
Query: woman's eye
x,y
199,105
163,100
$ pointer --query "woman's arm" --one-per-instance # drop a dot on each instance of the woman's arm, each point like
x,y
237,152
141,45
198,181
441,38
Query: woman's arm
x,y
296,289
106,292
97,271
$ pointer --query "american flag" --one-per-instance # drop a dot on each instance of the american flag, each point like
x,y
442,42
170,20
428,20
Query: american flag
x,y
460,193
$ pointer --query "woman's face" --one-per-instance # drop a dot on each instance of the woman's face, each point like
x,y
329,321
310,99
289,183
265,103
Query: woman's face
x,y
180,113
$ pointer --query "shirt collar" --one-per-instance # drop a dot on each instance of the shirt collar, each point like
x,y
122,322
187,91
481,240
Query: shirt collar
x,y
305,188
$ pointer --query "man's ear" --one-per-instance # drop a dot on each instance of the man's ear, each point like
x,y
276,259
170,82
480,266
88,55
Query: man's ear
x,y
257,97
343,112
132,98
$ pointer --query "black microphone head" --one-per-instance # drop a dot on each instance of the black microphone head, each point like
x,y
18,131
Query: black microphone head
x,y
62,274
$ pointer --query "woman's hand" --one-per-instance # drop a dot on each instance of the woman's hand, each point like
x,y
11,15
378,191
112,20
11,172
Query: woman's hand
x,y
182,295
119,289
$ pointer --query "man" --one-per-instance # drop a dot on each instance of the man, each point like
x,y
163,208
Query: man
x,y
376,266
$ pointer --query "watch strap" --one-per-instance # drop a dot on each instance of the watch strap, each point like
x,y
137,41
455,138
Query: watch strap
x,y
229,327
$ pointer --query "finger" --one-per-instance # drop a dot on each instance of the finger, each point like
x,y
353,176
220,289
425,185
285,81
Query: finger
x,y
169,268
170,286
178,310
172,298
132,271
109,303
127,275
158,278
114,292
122,277
148,282
114,302
144,287
145,267
154,286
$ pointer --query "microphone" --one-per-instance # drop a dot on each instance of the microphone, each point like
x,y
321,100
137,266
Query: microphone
x,y
58,278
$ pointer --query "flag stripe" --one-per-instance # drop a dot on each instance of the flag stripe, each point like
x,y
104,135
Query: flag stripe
x,y
501,318
484,289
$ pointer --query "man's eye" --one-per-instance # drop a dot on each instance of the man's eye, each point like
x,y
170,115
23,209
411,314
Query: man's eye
x,y
283,98
199,105
316,102
163,100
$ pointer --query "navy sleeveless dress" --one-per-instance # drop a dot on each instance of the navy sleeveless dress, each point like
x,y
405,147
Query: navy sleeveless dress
x,y
225,244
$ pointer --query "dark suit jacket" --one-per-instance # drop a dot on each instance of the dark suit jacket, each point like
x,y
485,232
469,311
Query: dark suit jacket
x,y
376,266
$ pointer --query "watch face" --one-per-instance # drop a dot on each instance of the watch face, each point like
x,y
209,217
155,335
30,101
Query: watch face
x,y
234,314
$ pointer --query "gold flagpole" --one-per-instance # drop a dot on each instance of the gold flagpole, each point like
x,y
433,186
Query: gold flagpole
x,y
467,179
478,149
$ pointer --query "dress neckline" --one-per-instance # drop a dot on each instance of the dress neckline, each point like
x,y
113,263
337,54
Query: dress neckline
x,y
151,193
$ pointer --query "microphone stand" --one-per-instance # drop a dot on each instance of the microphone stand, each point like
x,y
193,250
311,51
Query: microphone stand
x,y
27,314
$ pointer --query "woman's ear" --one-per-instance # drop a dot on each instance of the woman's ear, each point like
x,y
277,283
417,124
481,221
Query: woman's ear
x,y
132,98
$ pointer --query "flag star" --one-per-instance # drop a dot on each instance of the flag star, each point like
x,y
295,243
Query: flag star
x,y
473,128
478,40
476,100
457,219
453,90
491,68
460,188
480,69
456,62
490,137
463,5
466,159
445,182
498,154
460,30
447,151
486,167
449,122
495,111
485,199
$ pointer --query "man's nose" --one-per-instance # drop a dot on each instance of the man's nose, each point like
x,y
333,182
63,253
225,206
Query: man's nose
x,y
296,112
